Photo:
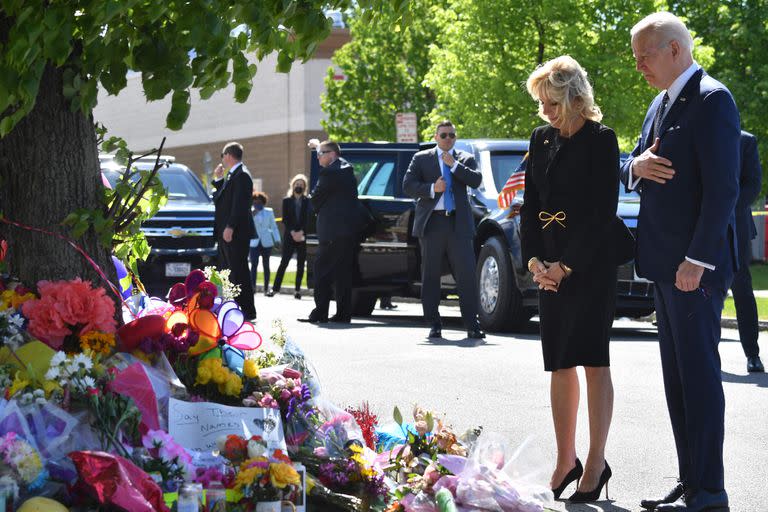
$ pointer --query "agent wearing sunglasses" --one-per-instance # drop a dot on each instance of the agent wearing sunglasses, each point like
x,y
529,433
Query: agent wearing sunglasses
x,y
438,179
233,225
339,226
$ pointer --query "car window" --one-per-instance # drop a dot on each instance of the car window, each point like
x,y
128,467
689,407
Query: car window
x,y
375,174
503,164
180,184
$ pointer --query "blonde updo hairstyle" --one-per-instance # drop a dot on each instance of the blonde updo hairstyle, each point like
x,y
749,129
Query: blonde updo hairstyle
x,y
565,82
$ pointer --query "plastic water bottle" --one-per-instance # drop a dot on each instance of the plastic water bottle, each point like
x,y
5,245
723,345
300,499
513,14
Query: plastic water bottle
x,y
216,497
190,498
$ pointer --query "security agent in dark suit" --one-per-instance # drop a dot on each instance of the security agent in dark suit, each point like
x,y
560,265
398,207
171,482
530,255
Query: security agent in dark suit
x,y
686,167
339,226
743,295
233,225
438,179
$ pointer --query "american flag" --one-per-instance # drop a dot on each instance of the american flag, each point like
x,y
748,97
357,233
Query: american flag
x,y
515,182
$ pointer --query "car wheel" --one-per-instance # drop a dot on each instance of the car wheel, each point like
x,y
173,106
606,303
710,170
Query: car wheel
x,y
363,303
501,304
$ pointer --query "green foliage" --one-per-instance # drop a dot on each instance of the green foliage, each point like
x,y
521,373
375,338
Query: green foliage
x,y
384,66
482,60
135,198
200,44
736,32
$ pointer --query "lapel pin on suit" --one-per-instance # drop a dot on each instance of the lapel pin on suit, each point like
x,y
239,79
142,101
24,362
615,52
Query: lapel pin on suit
x,y
546,141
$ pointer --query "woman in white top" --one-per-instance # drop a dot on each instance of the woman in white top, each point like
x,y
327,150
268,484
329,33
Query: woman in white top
x,y
267,236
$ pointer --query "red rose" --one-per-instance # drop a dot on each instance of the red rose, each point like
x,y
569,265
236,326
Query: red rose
x,y
235,448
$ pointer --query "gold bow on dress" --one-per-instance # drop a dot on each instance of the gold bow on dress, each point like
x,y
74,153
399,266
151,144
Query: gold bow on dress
x,y
549,218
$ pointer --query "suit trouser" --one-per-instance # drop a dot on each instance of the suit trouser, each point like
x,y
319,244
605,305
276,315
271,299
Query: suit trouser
x,y
334,265
689,332
289,246
263,253
234,256
746,310
440,239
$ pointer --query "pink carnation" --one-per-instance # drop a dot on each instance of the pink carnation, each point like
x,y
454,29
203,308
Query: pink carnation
x,y
66,305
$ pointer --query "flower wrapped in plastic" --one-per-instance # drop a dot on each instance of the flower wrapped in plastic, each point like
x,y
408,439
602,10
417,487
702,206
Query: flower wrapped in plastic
x,y
22,462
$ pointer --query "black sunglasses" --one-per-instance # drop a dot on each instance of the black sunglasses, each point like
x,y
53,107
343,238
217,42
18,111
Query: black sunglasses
x,y
448,134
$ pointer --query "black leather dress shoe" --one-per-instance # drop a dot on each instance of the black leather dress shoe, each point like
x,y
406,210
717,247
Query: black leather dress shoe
x,y
315,318
340,319
436,331
755,365
700,501
675,494
475,334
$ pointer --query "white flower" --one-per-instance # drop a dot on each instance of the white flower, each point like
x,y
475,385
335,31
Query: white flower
x,y
38,393
52,373
58,358
80,362
84,383
41,401
63,382
16,320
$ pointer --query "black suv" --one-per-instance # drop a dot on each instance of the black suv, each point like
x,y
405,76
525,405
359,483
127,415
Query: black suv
x,y
181,234
389,261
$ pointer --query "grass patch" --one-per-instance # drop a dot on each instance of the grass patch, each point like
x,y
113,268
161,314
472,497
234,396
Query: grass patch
x,y
759,273
729,311
289,280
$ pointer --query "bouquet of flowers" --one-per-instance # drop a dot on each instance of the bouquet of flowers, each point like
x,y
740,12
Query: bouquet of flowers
x,y
165,458
259,476
67,310
20,462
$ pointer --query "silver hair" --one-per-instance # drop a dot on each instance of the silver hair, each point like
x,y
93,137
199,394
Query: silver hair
x,y
666,27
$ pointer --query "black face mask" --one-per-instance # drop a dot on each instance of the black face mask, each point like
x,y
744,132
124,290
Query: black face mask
x,y
298,190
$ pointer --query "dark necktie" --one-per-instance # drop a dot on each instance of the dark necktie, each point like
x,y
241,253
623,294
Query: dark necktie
x,y
660,115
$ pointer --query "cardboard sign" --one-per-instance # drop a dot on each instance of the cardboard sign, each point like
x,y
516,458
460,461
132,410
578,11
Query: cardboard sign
x,y
198,425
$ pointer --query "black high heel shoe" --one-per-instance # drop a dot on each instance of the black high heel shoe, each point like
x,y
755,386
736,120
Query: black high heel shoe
x,y
574,474
590,496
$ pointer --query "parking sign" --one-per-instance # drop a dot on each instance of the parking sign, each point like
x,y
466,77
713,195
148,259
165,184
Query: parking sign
x,y
406,127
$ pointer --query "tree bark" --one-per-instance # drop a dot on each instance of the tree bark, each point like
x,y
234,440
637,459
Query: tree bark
x,y
49,167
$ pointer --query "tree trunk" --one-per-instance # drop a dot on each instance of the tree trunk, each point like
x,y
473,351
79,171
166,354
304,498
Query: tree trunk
x,y
49,167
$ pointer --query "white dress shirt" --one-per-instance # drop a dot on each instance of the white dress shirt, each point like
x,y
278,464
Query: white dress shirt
x,y
440,203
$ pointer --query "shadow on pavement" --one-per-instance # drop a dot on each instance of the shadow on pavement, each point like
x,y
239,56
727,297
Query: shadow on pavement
x,y
465,342
604,506
759,379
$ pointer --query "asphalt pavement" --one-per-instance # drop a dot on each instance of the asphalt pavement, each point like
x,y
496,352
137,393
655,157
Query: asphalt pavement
x,y
501,385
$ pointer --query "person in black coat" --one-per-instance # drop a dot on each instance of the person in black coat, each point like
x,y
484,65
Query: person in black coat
x,y
233,224
296,211
438,179
567,226
743,295
339,227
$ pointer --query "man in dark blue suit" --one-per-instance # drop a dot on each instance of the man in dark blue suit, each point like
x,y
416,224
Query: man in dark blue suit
x,y
686,167
743,295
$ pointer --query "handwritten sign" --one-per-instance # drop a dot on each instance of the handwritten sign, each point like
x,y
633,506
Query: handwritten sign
x,y
198,425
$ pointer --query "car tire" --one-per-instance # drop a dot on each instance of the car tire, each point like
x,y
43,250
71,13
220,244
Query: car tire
x,y
500,301
363,303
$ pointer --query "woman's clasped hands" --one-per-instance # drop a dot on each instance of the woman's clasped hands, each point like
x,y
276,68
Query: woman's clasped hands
x,y
547,274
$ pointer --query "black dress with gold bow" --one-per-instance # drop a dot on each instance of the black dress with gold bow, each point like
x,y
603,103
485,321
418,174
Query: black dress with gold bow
x,y
571,193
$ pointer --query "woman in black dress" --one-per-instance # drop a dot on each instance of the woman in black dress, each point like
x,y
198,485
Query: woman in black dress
x,y
571,194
